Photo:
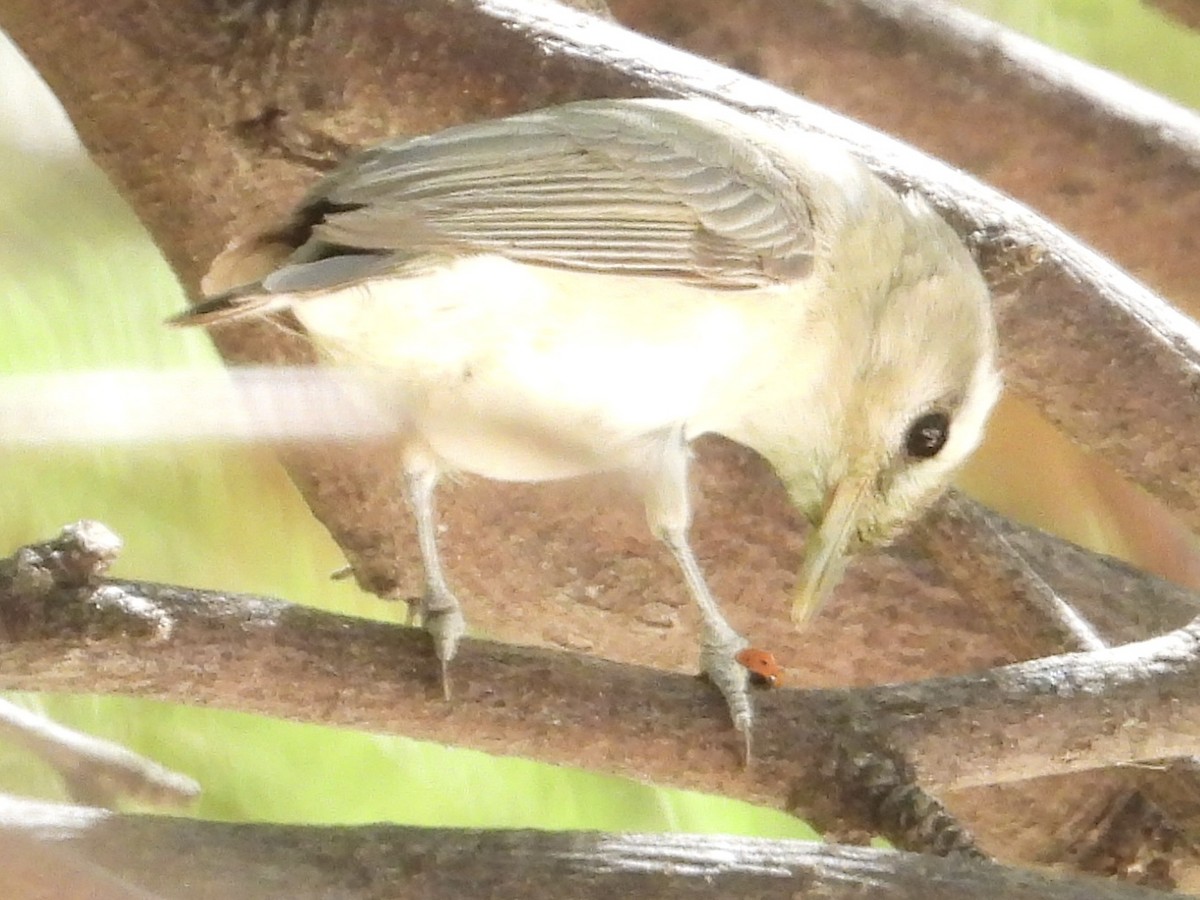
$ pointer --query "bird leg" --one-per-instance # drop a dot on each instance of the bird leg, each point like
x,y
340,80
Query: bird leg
x,y
438,610
668,509
719,644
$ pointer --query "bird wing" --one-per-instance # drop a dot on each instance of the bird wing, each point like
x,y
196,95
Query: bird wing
x,y
649,188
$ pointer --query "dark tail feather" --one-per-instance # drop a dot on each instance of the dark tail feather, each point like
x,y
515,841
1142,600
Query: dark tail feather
x,y
226,308
234,282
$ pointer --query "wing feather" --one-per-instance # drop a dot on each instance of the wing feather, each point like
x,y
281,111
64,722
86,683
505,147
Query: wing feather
x,y
655,188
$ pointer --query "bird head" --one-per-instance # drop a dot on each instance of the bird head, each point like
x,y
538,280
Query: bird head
x,y
914,388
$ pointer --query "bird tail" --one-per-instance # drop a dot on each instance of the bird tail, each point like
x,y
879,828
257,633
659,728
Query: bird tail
x,y
236,304
233,285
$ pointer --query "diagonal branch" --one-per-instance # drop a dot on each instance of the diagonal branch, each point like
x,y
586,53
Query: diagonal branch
x,y
96,772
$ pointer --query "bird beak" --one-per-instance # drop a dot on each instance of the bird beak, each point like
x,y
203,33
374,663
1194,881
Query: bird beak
x,y
825,556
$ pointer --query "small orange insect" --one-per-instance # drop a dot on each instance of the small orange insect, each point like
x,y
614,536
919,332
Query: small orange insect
x,y
764,671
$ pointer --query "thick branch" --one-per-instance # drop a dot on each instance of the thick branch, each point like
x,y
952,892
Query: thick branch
x,y
1056,715
1049,595
188,860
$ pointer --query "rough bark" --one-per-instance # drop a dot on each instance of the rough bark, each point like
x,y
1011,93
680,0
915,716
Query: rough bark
x,y
101,856
1137,702
855,761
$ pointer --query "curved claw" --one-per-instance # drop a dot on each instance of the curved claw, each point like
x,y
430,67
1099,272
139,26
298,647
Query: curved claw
x,y
718,662
445,624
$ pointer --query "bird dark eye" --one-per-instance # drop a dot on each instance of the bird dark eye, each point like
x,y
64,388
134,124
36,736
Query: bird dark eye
x,y
927,435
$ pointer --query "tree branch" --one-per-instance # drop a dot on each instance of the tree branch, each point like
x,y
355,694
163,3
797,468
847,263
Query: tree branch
x,y
188,860
1057,715
96,772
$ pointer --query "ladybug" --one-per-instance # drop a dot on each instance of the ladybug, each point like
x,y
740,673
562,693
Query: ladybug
x,y
764,671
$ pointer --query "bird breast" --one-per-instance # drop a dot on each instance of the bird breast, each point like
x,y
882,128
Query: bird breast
x,y
525,373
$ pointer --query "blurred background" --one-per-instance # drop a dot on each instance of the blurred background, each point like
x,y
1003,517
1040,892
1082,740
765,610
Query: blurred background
x,y
83,287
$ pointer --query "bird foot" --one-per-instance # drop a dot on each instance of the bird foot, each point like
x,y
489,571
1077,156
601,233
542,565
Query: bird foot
x,y
442,619
732,679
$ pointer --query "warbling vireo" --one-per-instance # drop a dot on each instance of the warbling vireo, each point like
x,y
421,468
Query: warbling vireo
x,y
590,287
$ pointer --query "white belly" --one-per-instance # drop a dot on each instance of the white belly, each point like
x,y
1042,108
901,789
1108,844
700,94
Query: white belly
x,y
521,373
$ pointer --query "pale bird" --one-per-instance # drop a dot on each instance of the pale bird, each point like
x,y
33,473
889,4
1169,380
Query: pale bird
x,y
590,287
